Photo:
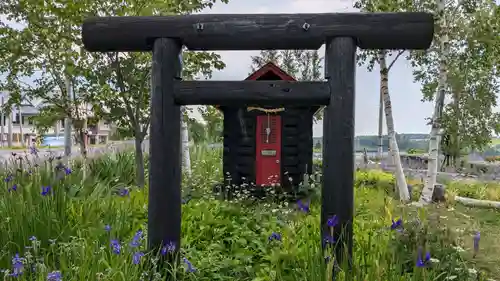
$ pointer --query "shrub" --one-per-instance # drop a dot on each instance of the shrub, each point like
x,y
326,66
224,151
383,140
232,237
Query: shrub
x,y
492,158
94,228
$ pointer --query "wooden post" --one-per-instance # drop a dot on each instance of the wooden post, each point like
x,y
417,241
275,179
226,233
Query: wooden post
x,y
225,32
164,210
252,93
338,145
271,31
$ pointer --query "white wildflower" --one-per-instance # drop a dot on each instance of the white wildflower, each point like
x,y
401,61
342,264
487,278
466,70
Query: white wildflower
x,y
472,271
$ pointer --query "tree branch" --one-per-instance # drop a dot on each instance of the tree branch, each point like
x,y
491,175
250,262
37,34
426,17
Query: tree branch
x,y
122,88
395,59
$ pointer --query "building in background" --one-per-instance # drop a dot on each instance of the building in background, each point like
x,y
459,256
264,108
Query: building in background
x,y
99,131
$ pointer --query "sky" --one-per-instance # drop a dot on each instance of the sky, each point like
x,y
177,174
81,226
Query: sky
x,y
408,110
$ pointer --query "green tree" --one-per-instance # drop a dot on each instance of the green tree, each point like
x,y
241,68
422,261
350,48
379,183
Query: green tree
x,y
264,57
196,130
303,65
214,123
115,84
469,120
317,145
46,118
46,50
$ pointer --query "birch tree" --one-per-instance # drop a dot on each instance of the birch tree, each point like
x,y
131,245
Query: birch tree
x,y
434,138
462,64
393,144
380,148
370,58
186,156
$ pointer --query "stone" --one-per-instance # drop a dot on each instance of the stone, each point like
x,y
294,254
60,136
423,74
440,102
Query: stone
x,y
439,193
410,189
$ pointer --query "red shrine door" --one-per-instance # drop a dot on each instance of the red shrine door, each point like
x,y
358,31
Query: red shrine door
x,y
268,150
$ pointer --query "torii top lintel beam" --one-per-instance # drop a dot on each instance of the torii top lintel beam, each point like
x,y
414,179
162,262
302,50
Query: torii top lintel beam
x,y
259,31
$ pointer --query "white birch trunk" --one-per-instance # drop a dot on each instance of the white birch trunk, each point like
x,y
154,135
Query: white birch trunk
x,y
380,150
67,124
2,129
57,128
477,203
394,150
186,160
434,139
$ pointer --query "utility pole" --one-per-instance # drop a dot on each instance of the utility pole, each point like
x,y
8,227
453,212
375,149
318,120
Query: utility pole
x,y
21,133
67,123
9,129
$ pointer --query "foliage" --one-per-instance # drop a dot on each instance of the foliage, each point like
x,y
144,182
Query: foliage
x,y
196,130
475,189
469,119
84,221
124,83
115,85
317,146
46,118
44,50
209,129
369,58
303,65
214,123
492,158
416,151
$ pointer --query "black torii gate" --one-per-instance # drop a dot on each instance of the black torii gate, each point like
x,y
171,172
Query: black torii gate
x,y
342,33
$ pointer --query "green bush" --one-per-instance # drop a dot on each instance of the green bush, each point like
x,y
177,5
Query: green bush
x,y
416,151
74,227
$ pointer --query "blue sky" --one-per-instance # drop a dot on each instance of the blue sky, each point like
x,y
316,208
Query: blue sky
x,y
409,112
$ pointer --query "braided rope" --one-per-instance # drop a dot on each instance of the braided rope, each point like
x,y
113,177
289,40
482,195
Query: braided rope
x,y
266,110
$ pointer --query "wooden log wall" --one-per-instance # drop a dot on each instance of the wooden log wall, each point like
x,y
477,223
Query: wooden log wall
x,y
239,145
297,144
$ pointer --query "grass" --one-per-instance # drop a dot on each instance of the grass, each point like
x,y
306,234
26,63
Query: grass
x,y
44,147
24,148
61,223
495,141
465,222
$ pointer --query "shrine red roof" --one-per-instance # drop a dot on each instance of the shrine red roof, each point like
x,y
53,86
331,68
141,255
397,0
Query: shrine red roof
x,y
270,68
